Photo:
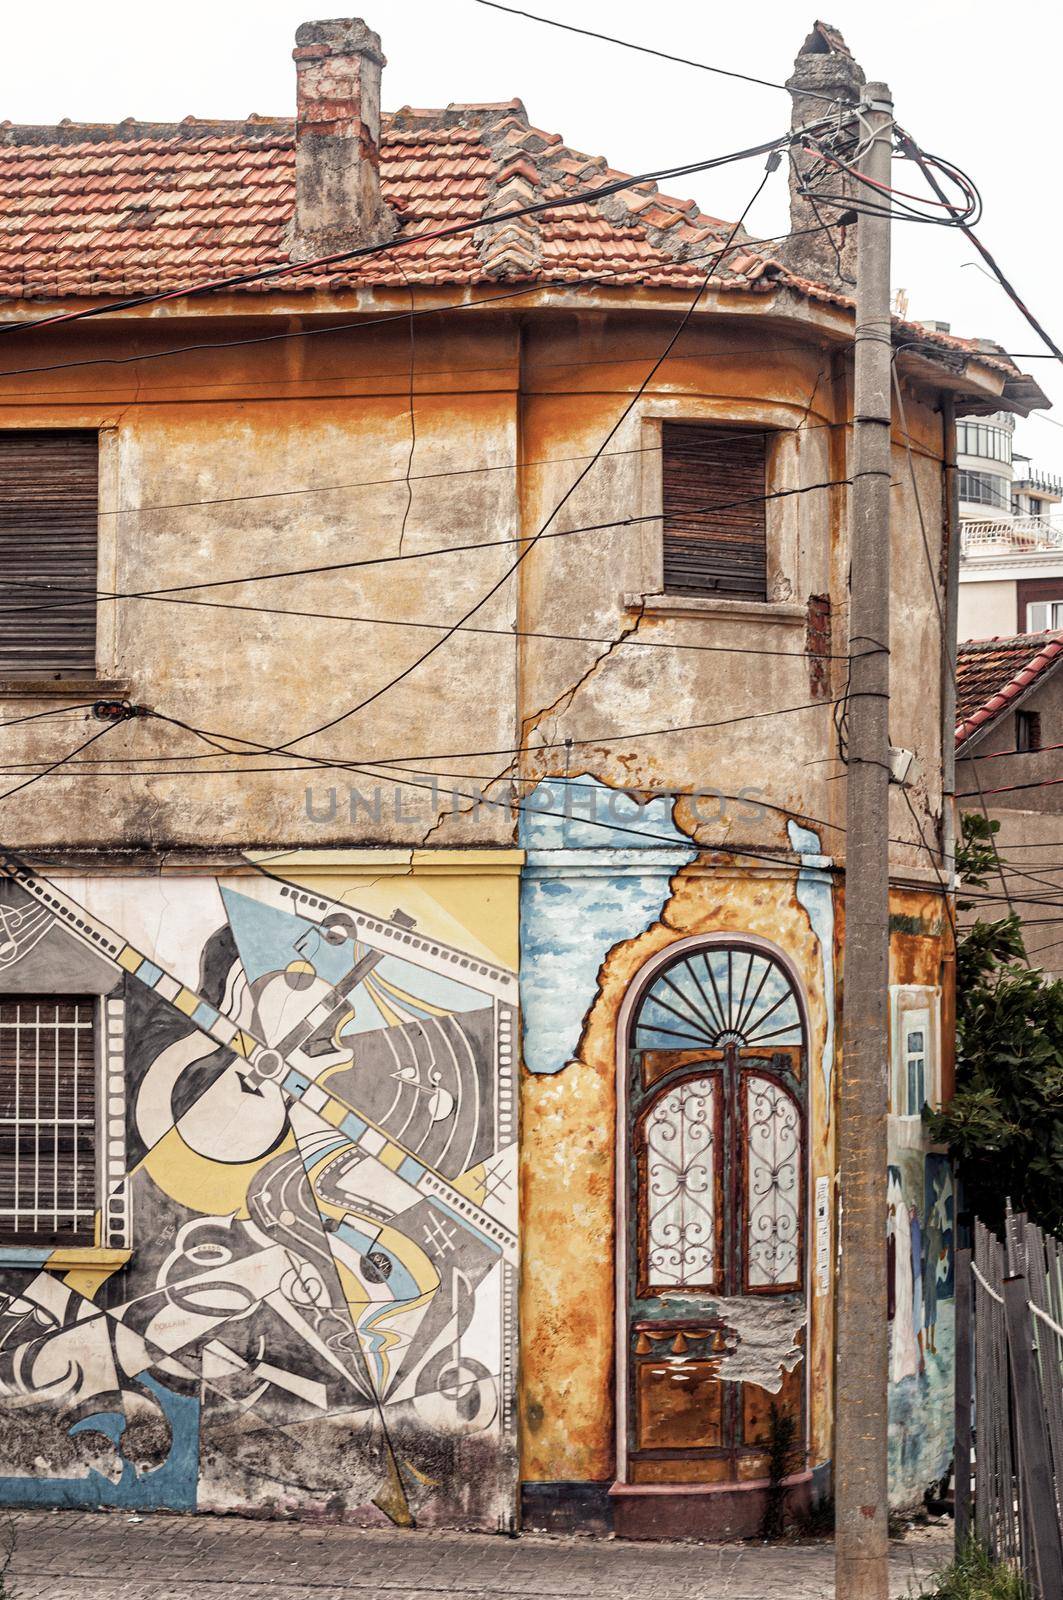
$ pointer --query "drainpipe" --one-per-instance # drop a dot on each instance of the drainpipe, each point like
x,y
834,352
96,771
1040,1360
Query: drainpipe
x,y
949,818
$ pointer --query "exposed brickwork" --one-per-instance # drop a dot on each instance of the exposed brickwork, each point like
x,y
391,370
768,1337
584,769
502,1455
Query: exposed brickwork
x,y
817,643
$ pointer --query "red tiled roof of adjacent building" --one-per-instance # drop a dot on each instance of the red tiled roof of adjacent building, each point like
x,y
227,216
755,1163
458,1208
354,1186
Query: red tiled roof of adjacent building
x,y
992,674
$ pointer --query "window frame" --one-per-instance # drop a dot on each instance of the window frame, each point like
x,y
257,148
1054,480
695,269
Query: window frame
x,y
33,1233
725,586
112,1232
1028,732
914,1007
105,682
791,567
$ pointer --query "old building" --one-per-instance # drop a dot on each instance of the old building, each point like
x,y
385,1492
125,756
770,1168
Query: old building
x,y
424,822
1009,716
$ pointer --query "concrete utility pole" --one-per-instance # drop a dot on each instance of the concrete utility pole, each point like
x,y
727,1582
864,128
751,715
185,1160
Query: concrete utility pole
x,y
860,1429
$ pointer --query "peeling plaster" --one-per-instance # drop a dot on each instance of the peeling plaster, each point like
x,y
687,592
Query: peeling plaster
x,y
815,894
766,1330
586,885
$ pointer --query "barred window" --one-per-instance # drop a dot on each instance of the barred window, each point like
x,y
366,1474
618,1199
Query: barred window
x,y
47,1119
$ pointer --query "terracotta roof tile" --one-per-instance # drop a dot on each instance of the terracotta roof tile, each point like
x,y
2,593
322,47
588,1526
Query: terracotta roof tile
x,y
991,674
94,210
116,210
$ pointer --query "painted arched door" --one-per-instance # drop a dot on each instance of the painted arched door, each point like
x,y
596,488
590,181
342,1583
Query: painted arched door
x,y
716,1201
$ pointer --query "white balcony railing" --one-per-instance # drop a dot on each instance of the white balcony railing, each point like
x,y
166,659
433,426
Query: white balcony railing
x,y
1016,537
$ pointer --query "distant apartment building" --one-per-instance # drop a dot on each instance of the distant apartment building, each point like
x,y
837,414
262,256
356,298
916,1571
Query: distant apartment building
x,y
1011,562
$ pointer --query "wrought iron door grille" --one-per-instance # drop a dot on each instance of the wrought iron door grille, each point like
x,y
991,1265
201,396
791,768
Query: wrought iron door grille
x,y
47,1120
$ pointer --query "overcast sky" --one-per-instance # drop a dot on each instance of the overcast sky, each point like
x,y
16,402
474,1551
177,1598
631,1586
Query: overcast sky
x,y
974,80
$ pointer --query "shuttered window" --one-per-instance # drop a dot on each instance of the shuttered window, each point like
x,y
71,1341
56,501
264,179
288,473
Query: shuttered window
x,y
714,524
47,1119
48,530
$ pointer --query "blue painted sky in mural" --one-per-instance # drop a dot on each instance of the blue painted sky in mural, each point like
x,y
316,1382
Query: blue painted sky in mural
x,y
579,813
815,895
586,888
268,940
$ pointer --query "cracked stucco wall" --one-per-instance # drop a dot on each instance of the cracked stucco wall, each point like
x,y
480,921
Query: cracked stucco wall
x,y
568,1169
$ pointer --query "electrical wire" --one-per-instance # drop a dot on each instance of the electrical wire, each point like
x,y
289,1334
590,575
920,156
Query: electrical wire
x,y
925,163
513,751
802,656
649,50
996,755
360,252
60,762
80,595
399,677
387,769
933,854
603,278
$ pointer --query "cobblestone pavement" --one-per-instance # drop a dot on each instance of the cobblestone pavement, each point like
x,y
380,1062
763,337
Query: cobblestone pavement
x,y
68,1555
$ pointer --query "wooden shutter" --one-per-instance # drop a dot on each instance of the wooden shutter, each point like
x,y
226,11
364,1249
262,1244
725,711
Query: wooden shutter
x,y
711,551
48,531
47,1119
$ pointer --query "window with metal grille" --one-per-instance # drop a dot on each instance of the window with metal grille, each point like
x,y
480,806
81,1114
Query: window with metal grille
x,y
714,523
49,492
47,1119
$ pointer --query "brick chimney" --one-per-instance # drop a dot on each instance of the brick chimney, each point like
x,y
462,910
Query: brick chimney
x,y
824,70
338,205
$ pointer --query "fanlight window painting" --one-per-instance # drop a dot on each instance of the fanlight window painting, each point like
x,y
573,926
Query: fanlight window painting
x,y
717,997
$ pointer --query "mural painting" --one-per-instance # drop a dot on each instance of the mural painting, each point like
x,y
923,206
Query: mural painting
x,y
300,1292
618,906
920,1240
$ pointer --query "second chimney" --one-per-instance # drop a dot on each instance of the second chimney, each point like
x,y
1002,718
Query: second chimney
x,y
823,72
338,204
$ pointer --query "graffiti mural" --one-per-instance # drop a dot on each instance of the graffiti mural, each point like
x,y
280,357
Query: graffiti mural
x,y
303,1287
920,1236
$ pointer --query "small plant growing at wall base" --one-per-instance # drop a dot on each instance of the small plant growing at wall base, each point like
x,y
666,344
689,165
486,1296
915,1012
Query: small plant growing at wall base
x,y
974,1575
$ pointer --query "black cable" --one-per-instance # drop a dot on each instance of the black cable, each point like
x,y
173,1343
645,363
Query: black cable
x,y
80,595
56,711
371,768
62,761
399,677
452,230
601,279
803,656
513,751
933,862
648,50
922,160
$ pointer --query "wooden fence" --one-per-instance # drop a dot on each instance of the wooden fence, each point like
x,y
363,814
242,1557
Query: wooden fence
x,y
1009,1400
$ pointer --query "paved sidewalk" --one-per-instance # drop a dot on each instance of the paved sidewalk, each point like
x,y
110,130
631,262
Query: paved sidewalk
x,y
69,1555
